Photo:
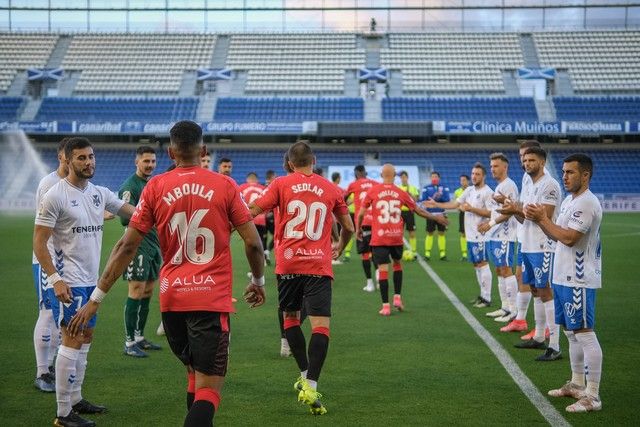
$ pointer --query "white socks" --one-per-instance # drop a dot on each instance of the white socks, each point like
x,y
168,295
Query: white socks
x,y
592,361
484,276
522,303
502,291
81,368
540,318
43,341
511,289
554,330
576,357
65,378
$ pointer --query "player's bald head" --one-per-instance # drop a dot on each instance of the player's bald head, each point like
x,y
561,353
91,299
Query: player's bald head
x,y
300,154
388,172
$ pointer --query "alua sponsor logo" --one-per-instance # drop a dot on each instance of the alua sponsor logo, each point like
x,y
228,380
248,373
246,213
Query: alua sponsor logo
x,y
195,279
309,252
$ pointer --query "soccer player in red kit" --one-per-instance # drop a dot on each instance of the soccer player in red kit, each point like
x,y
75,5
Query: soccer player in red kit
x,y
250,191
387,230
306,203
193,210
359,189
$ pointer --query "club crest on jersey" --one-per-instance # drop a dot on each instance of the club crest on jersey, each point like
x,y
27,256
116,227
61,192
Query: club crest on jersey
x,y
96,200
74,203
537,272
570,309
497,252
475,249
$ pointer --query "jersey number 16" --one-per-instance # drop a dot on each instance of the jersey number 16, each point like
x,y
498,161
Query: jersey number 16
x,y
189,235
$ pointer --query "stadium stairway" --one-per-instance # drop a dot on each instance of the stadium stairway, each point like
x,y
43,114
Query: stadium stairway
x,y
529,52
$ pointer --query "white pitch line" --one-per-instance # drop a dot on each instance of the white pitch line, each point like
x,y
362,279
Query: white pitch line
x,y
539,401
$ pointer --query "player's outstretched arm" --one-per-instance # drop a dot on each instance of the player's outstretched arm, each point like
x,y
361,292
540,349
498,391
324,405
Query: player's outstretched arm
x,y
440,219
254,293
255,209
431,203
126,211
41,235
121,255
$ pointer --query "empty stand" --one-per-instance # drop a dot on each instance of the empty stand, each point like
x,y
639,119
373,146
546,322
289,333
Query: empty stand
x,y
295,63
598,108
289,109
19,51
412,109
9,107
452,62
615,171
596,60
152,63
100,109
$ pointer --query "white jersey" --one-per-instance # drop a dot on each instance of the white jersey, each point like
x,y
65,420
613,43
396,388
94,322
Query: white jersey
x,y
525,180
77,217
43,186
580,265
547,192
478,198
507,230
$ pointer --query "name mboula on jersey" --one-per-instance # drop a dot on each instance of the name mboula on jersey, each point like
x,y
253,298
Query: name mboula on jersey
x,y
580,265
545,191
507,230
77,217
478,198
43,186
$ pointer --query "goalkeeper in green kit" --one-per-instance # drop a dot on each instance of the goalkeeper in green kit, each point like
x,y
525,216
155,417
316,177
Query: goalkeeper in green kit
x,y
143,270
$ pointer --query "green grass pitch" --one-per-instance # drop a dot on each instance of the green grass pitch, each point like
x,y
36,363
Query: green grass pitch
x,y
424,366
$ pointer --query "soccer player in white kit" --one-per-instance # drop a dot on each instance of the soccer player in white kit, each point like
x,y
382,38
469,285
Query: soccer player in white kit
x,y
476,202
577,273
537,250
45,333
71,214
502,240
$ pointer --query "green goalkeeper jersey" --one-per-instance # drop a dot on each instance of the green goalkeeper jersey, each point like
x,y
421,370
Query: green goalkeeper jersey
x,y
130,192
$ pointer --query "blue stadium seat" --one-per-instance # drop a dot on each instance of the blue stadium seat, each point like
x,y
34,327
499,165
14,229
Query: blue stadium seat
x,y
289,109
130,109
605,108
420,109
9,107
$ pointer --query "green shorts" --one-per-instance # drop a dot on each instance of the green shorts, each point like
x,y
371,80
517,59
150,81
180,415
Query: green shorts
x,y
145,266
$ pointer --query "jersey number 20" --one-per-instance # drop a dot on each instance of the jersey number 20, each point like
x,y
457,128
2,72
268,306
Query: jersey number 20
x,y
313,216
189,235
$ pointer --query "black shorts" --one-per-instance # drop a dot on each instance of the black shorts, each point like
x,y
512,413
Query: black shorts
x,y
270,224
432,225
199,339
409,219
262,232
311,290
461,222
381,254
363,246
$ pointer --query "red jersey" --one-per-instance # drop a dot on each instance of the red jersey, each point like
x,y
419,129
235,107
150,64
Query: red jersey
x,y
387,228
193,210
303,226
359,188
250,191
